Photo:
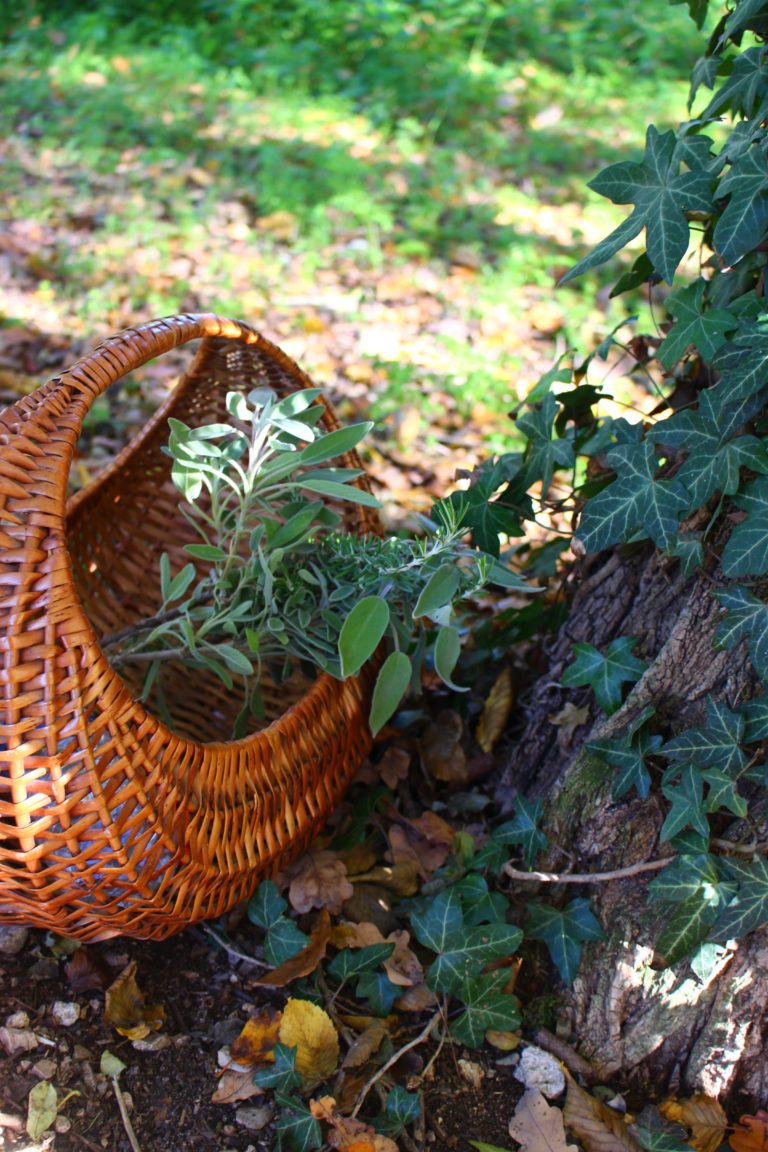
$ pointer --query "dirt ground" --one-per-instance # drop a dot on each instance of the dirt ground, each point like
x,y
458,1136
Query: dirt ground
x,y
168,1081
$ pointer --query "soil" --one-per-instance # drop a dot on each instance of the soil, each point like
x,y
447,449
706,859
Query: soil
x,y
206,997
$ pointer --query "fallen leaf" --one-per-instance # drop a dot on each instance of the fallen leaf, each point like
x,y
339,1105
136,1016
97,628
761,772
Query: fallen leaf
x,y
259,1035
703,1115
348,1134
87,972
538,1126
360,858
367,1044
394,766
318,880
310,1030
303,962
234,1086
416,999
355,935
403,967
42,1107
125,1010
569,718
441,752
432,828
594,1124
751,1133
495,712
504,1041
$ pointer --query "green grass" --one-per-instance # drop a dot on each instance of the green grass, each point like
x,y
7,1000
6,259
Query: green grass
x,y
205,157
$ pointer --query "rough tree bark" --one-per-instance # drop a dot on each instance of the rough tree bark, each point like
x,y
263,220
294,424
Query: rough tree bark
x,y
652,1029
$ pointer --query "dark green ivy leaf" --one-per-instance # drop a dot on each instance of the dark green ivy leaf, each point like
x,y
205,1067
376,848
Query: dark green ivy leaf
x,y
486,1005
628,753
635,501
746,618
284,940
297,1129
266,906
352,961
469,951
748,909
683,877
605,672
746,549
745,89
661,195
656,1134
282,1075
544,453
403,1108
696,324
688,925
564,932
524,829
715,744
744,221
687,804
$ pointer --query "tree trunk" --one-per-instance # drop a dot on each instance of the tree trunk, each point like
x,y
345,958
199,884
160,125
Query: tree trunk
x,y
652,1029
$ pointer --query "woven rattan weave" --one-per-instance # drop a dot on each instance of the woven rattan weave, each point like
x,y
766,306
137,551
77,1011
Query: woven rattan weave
x,y
111,823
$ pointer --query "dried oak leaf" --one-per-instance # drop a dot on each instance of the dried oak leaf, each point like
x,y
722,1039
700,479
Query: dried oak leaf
x,y
493,718
125,1010
355,935
403,966
594,1124
538,1126
309,1029
703,1115
303,962
318,880
259,1035
751,1133
235,1086
416,999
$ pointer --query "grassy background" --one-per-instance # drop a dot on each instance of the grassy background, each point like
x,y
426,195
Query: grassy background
x,y
389,188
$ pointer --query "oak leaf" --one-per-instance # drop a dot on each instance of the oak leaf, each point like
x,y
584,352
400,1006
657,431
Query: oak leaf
x,y
318,880
393,766
751,1133
594,1124
309,1029
356,935
538,1126
495,712
303,962
703,1115
125,1010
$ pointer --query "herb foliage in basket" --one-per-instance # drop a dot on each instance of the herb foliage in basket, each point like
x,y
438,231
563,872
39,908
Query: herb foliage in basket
x,y
287,586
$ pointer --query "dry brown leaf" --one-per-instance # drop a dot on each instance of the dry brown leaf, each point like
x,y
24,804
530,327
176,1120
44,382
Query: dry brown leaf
x,y
235,1086
318,880
416,999
441,752
259,1035
303,962
393,766
703,1115
360,858
751,1133
366,1045
538,1126
504,1041
403,966
87,972
594,1124
355,935
569,717
347,1134
125,1010
432,828
495,712
309,1029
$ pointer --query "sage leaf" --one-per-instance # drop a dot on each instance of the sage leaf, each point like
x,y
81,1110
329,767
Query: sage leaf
x,y
361,633
439,590
391,685
446,654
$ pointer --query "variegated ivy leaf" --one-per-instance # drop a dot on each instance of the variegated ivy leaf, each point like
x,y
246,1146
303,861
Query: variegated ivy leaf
x,y
635,505
564,932
686,804
628,753
744,90
662,195
746,618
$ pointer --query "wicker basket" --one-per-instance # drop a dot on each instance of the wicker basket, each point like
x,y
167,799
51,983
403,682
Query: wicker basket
x,y
111,823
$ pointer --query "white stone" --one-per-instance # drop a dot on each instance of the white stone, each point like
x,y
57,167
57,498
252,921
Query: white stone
x,y
65,1012
541,1070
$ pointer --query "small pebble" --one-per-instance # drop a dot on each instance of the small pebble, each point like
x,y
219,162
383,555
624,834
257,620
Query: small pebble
x,y
540,1069
153,1043
45,1069
12,939
254,1119
18,1020
472,1073
62,1124
65,1012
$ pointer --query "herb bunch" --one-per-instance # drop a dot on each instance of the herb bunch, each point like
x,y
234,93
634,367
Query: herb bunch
x,y
288,587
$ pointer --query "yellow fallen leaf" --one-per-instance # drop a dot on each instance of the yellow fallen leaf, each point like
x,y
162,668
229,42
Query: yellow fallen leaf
x,y
259,1035
309,1029
125,1010
495,712
703,1115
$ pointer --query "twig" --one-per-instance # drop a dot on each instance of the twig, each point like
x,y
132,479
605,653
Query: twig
x,y
422,1036
751,849
232,951
587,877
125,1117
572,1059
444,1014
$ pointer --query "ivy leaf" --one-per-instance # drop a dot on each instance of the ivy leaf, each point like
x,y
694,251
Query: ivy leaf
x,y
266,906
742,364
282,1075
746,618
564,932
744,90
481,906
486,1006
628,753
661,195
683,877
748,909
296,1127
496,502
524,829
544,453
723,793
688,926
687,804
352,961
715,744
284,940
689,550
635,500
746,549
468,951
379,991
440,922
744,221
755,713
605,672
657,1135
704,327
403,1108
